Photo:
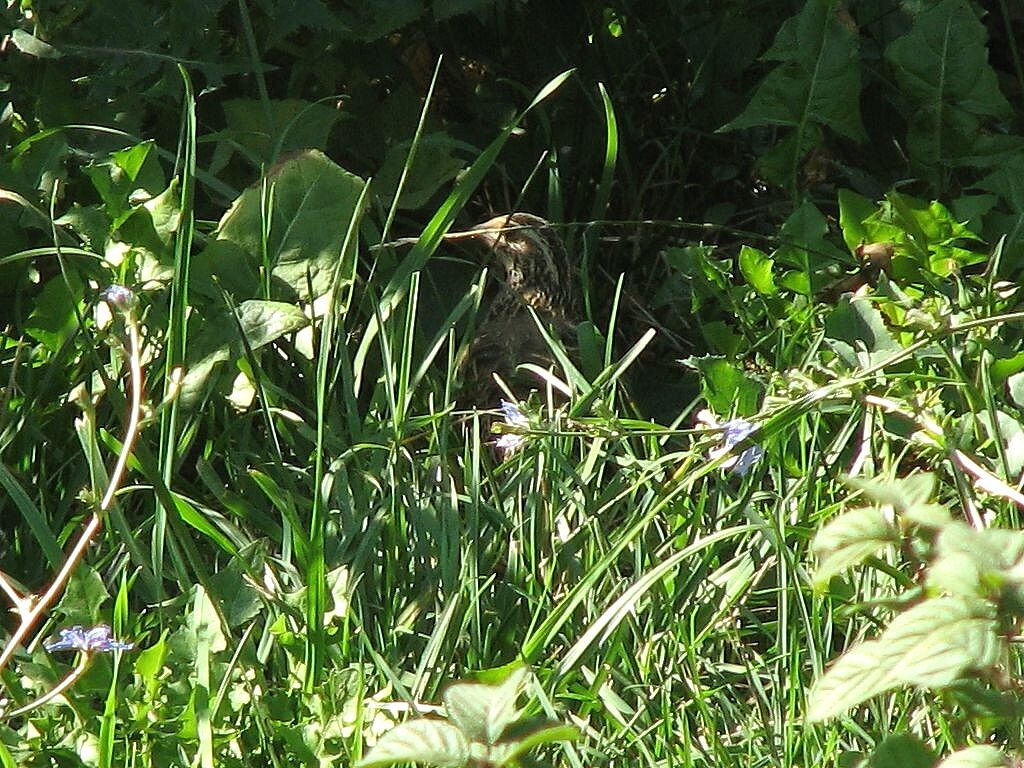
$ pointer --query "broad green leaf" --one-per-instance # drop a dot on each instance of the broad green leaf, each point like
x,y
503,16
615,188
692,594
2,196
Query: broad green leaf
x,y
224,265
262,322
977,756
303,205
272,128
854,210
860,325
53,318
434,165
806,246
910,496
27,43
84,597
1007,181
481,711
205,623
535,736
931,645
817,83
849,539
423,740
901,751
265,321
756,267
941,66
727,388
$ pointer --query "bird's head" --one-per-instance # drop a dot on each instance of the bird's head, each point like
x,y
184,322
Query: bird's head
x,y
536,265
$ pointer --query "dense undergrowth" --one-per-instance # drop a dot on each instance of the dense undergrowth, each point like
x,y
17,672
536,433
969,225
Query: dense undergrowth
x,y
802,217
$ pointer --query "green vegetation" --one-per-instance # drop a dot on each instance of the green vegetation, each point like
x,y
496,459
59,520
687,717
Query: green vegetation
x,y
776,521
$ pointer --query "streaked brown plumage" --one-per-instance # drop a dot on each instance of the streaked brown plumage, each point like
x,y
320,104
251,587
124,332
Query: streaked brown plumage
x,y
538,276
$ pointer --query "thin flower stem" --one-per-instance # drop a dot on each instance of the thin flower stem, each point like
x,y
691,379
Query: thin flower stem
x,y
31,607
58,689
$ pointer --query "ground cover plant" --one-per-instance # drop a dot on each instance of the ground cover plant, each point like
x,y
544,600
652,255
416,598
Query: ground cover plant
x,y
762,510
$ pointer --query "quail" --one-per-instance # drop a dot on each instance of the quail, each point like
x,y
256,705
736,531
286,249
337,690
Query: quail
x,y
538,276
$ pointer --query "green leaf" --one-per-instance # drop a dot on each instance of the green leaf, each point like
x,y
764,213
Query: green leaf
x,y
807,247
434,165
271,128
817,83
977,756
205,623
535,736
422,740
84,597
33,46
756,267
901,751
482,712
125,171
861,327
941,66
262,322
849,539
1007,181
909,496
931,645
854,210
305,215
727,388
53,318
149,663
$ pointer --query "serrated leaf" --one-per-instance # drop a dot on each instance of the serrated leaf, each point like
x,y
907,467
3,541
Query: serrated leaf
x,y
941,66
977,756
931,645
423,740
817,82
849,539
306,215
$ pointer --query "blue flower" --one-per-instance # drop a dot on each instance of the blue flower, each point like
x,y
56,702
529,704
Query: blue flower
x,y
736,431
510,441
118,297
89,640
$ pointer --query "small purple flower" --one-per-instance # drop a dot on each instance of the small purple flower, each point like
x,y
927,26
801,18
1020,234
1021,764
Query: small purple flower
x,y
510,441
118,297
736,431
89,640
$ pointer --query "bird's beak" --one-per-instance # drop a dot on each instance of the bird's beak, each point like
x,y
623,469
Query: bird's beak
x,y
491,230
